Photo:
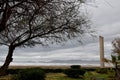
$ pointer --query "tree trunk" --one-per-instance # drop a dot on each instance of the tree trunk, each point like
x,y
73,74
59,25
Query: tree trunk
x,y
117,74
117,71
8,60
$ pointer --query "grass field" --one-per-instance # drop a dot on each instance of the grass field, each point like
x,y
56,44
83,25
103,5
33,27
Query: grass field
x,y
50,76
89,75
61,76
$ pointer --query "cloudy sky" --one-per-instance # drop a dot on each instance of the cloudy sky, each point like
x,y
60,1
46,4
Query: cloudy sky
x,y
105,17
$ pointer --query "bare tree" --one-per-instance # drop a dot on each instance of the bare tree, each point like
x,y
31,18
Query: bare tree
x,y
7,6
116,50
32,22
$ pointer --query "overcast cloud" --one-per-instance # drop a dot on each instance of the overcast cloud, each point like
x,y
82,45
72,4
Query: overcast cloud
x,y
105,17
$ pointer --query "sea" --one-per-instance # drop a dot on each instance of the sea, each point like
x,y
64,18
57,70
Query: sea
x,y
27,62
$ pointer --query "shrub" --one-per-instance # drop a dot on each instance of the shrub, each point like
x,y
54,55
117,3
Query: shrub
x,y
75,67
74,73
53,70
13,71
90,69
102,70
30,74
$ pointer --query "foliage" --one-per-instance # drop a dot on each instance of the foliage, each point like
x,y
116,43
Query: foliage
x,y
13,71
30,74
74,73
115,52
8,9
53,70
90,69
93,75
43,22
75,66
59,76
115,56
102,70
89,75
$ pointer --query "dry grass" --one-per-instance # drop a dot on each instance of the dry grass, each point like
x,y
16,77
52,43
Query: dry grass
x,y
8,77
51,67
50,76
44,67
59,76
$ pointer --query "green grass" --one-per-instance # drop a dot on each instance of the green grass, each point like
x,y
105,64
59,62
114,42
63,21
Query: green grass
x,y
59,76
7,77
89,75
98,76
50,76
94,75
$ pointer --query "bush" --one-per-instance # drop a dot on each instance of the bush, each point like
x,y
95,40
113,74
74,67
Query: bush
x,y
75,67
74,73
13,71
102,70
90,69
53,70
30,74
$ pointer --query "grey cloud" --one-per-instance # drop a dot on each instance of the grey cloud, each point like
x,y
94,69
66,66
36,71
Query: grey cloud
x,y
106,20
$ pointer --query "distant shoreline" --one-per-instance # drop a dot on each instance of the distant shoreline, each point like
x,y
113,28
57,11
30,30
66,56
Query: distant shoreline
x,y
52,66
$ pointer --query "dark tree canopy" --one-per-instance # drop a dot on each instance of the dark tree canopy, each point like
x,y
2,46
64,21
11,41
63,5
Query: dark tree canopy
x,y
42,21
8,7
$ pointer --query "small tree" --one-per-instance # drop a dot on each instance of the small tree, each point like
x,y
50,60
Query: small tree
x,y
33,22
115,56
116,50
